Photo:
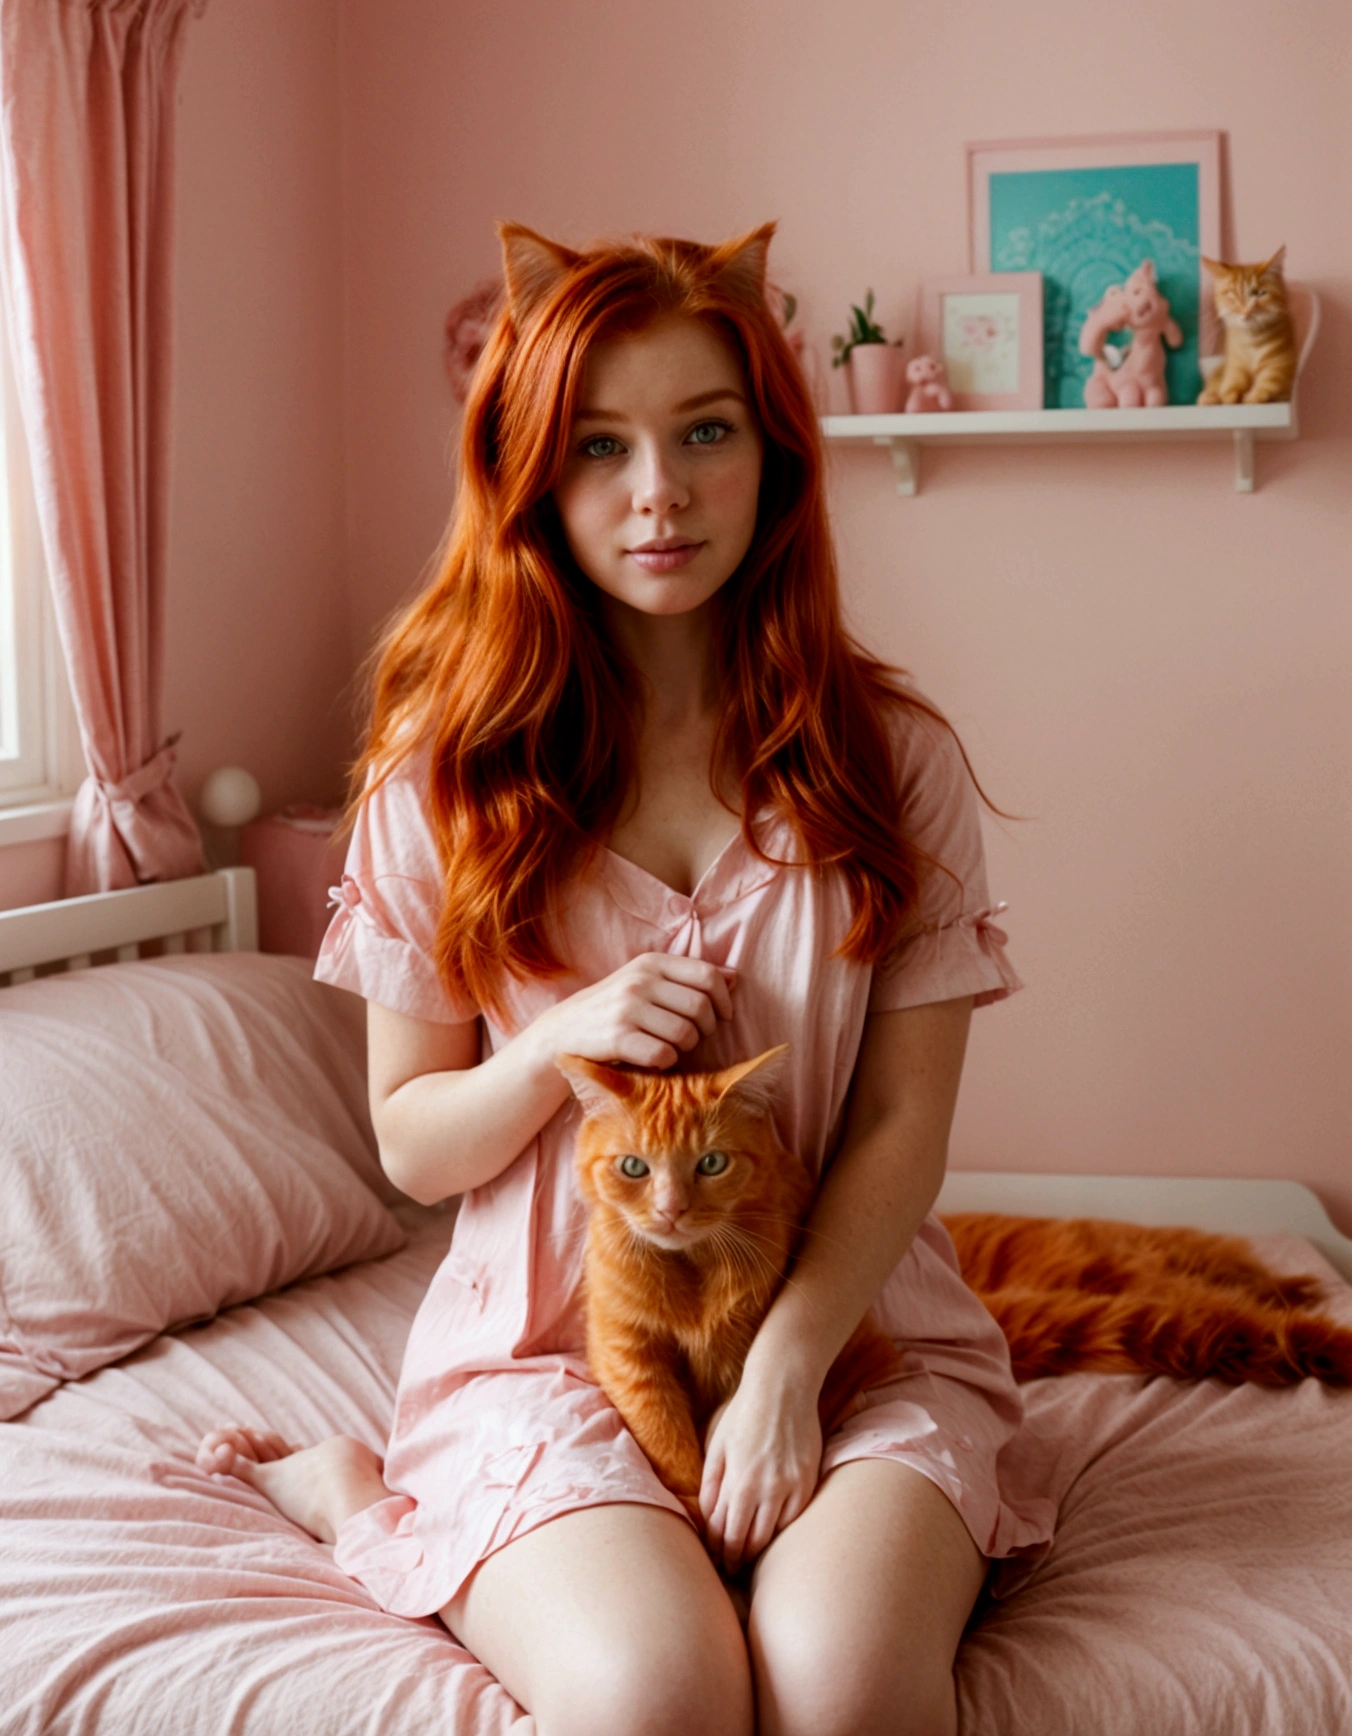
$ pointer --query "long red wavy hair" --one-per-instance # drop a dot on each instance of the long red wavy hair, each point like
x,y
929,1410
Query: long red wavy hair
x,y
503,670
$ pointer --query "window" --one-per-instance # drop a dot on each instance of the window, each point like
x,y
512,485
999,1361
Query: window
x,y
39,743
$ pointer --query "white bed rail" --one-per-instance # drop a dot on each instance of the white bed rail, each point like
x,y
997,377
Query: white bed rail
x,y
207,913
1233,1206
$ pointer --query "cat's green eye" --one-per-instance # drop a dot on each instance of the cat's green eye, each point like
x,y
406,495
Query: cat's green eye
x,y
712,1163
633,1167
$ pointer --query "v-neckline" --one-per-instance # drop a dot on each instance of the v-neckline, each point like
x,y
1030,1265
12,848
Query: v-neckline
x,y
670,891
723,879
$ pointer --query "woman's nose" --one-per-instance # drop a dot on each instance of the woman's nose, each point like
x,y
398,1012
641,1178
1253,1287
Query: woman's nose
x,y
659,485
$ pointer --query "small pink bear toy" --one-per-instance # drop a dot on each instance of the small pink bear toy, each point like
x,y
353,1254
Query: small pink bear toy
x,y
1138,379
929,389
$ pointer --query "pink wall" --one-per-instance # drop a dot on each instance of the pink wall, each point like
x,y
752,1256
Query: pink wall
x,y
1151,668
30,873
259,643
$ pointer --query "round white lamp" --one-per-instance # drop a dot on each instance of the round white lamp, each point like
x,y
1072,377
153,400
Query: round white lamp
x,y
230,796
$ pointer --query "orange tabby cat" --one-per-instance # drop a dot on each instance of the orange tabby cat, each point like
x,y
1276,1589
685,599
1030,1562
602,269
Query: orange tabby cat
x,y
695,1210
1086,1293
1260,340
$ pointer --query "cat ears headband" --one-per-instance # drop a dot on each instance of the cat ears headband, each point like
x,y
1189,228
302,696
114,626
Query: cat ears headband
x,y
533,266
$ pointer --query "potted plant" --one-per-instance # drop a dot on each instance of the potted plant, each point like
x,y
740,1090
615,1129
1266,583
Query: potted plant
x,y
874,369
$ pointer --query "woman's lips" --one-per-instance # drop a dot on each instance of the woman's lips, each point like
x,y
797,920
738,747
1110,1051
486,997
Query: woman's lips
x,y
665,560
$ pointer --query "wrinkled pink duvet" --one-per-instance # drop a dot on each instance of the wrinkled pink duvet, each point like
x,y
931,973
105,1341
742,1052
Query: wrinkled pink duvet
x,y
1201,1580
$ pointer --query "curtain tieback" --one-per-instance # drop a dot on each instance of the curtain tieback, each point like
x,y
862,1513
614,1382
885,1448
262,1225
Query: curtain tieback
x,y
151,776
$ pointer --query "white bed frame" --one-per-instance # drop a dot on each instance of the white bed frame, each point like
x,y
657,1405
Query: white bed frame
x,y
1238,1207
208,913
216,913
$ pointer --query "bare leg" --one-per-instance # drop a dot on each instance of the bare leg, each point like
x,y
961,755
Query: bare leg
x,y
858,1606
316,1487
609,1621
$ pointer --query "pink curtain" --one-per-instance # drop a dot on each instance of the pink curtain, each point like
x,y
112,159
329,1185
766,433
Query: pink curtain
x,y
87,89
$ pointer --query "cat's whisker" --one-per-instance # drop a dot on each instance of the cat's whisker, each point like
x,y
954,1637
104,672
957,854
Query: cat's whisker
x,y
738,1253
743,1240
809,1234
802,1230
568,1238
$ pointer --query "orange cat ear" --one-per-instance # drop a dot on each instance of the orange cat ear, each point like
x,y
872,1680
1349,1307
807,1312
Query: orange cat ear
x,y
1214,266
1277,261
595,1085
740,265
531,265
763,1088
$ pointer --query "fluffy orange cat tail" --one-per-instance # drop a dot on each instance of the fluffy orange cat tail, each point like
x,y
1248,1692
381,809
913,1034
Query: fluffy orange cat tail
x,y
1183,1330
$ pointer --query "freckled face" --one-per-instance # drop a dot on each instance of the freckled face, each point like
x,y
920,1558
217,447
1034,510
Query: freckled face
x,y
658,493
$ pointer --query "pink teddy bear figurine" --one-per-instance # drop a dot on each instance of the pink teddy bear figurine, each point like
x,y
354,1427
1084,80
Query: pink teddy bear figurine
x,y
1138,378
929,388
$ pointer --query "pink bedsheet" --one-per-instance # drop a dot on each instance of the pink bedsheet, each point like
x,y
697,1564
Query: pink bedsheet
x,y
139,1597
1201,1581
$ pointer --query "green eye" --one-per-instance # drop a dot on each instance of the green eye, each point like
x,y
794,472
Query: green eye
x,y
609,441
633,1167
709,433
712,1163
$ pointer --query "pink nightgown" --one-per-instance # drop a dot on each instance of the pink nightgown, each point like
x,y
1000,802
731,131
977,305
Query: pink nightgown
x,y
498,1425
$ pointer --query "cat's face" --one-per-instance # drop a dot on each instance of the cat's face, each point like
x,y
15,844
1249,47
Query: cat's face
x,y
1249,295
676,1157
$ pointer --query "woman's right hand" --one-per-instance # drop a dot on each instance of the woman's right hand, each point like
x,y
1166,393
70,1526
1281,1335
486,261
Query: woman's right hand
x,y
645,1013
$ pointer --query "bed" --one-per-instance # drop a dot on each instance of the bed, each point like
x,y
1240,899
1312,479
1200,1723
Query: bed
x,y
194,1229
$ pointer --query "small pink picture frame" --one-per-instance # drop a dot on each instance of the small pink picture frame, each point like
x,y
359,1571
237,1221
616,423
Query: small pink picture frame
x,y
986,328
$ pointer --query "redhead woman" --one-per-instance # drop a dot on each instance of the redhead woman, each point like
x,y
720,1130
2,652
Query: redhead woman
x,y
631,792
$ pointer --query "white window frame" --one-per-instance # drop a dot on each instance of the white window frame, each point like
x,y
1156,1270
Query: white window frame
x,y
41,763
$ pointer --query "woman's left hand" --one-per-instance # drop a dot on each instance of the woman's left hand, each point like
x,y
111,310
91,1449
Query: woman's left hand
x,y
761,1464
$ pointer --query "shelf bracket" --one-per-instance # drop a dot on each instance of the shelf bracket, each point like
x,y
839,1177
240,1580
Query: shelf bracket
x,y
1243,461
905,461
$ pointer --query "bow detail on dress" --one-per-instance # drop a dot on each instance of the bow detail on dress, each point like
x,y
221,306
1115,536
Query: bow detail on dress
x,y
347,896
982,923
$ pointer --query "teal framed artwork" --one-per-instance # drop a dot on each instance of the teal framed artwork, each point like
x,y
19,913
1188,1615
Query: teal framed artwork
x,y
1085,212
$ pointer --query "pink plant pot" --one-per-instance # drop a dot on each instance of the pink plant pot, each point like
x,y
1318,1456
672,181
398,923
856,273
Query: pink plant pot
x,y
876,376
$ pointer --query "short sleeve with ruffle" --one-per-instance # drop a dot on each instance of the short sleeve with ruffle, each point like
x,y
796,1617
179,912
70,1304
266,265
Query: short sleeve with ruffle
x,y
954,947
380,943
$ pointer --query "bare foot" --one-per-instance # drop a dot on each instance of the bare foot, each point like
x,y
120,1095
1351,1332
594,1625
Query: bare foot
x,y
315,1487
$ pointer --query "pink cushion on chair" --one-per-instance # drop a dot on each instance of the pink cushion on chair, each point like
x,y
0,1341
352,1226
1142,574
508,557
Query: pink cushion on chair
x,y
176,1136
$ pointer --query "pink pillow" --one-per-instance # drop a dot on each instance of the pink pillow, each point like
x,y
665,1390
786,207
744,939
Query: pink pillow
x,y
176,1135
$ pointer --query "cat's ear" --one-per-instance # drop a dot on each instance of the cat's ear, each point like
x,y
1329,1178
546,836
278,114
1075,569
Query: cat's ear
x,y
756,1080
595,1085
740,265
1276,263
531,265
1216,267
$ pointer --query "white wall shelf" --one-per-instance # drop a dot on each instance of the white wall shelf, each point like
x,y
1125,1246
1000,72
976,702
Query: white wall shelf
x,y
1240,424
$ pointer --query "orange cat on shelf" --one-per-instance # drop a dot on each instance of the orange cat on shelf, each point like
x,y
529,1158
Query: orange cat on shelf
x,y
695,1211
1260,339
1087,1293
